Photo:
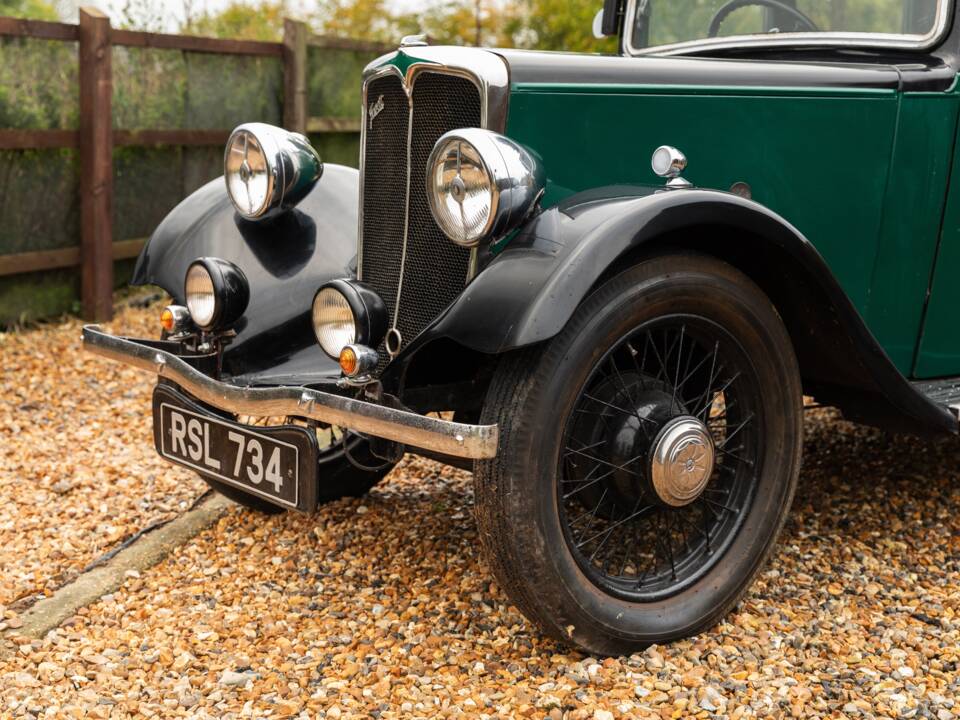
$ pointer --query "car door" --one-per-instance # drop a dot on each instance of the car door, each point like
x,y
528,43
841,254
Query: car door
x,y
938,353
920,167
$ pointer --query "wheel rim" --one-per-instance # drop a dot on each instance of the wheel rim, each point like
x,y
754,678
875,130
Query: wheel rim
x,y
659,457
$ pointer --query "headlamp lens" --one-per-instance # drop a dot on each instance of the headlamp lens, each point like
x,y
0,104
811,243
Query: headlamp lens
x,y
333,321
248,174
201,296
461,192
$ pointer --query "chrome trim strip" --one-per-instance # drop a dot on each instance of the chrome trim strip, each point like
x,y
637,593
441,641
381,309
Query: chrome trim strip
x,y
801,39
365,121
408,90
443,436
472,264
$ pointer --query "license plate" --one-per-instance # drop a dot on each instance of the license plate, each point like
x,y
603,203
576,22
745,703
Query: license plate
x,y
277,463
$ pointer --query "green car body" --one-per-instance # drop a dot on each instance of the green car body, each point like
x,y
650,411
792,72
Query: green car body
x,y
862,173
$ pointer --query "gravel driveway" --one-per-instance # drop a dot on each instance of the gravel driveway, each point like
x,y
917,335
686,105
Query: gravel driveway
x,y
383,607
78,474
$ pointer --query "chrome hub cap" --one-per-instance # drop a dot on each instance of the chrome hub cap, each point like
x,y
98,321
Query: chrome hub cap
x,y
681,461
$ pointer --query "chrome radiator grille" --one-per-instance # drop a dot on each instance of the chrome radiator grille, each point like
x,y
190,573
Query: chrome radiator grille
x,y
434,270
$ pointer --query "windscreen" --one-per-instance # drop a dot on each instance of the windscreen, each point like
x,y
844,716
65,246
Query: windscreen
x,y
667,22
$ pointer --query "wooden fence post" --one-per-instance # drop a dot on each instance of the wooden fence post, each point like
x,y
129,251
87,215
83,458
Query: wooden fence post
x,y
96,166
295,75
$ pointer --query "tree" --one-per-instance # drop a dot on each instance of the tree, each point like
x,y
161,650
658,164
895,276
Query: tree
x,y
239,20
559,25
467,22
537,24
33,9
365,19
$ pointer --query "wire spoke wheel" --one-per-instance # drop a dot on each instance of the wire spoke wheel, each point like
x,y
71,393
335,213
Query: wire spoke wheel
x,y
648,457
659,457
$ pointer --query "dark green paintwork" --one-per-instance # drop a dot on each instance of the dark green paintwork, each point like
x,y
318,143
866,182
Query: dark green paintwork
x,y
402,61
939,353
821,158
916,191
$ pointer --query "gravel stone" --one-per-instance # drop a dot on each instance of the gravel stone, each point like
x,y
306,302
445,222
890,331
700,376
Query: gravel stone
x,y
392,613
235,679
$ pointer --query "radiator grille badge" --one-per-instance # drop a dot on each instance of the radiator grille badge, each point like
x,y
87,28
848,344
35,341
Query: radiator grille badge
x,y
375,109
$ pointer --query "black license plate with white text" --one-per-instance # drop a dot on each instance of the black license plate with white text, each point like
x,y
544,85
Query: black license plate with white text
x,y
278,464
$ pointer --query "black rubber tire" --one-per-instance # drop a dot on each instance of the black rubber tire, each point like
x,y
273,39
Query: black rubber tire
x,y
338,478
532,393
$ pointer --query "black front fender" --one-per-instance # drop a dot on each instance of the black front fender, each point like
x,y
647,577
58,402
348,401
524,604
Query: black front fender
x,y
530,290
285,260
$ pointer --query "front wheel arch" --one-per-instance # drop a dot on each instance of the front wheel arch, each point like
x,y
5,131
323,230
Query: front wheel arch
x,y
527,293
841,363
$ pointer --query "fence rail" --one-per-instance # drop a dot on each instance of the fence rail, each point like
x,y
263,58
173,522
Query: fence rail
x,y
96,138
38,139
46,139
35,261
40,29
193,43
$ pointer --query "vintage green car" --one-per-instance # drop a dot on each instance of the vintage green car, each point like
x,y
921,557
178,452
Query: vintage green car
x,y
525,279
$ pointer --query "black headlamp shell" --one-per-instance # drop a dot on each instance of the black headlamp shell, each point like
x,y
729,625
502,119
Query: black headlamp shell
x,y
230,289
369,311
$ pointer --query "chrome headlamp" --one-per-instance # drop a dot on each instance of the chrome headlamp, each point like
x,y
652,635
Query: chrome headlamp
x,y
481,185
268,169
216,293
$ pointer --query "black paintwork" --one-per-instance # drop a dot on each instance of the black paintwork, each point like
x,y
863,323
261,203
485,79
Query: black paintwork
x,y
919,72
612,17
530,290
284,260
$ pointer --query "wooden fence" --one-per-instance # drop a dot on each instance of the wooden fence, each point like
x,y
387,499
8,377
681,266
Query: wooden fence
x,y
97,137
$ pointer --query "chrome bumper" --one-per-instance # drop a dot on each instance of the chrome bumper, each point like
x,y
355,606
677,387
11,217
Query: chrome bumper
x,y
442,436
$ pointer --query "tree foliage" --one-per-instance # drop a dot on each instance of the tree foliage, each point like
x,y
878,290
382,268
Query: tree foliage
x,y
559,25
536,24
364,19
539,24
241,20
34,9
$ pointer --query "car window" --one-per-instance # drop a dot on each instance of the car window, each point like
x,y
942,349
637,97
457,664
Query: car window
x,y
667,22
